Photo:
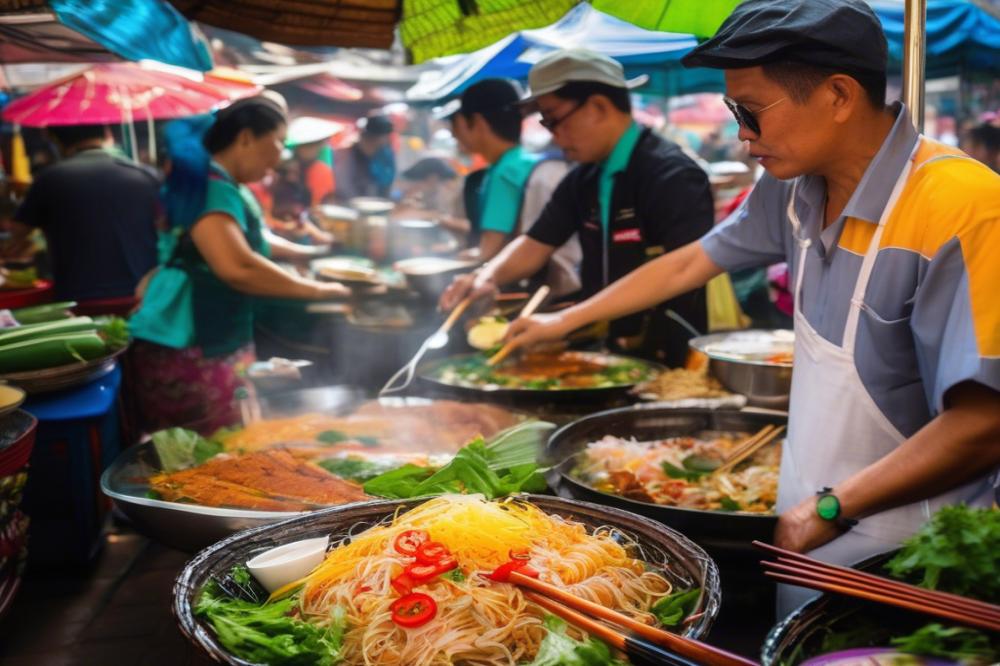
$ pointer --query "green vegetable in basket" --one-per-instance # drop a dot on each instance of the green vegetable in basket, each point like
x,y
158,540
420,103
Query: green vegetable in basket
x,y
51,351
114,330
956,551
270,633
44,329
41,313
672,609
558,648
959,643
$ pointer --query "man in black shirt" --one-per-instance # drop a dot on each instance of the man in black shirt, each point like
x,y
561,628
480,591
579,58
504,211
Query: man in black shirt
x,y
633,197
367,167
99,213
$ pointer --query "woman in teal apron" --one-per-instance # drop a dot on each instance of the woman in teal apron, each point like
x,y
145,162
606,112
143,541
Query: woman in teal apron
x,y
194,329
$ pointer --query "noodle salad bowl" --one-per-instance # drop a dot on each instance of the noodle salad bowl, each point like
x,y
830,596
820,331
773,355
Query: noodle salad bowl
x,y
605,554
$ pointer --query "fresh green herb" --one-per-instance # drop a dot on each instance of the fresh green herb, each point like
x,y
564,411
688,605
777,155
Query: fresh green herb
x,y
152,494
671,610
729,504
699,463
353,469
240,574
867,634
179,448
957,643
559,649
269,633
675,472
332,437
507,464
368,441
955,551
455,575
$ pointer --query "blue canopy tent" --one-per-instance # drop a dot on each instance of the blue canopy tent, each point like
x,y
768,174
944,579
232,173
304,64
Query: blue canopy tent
x,y
961,37
656,54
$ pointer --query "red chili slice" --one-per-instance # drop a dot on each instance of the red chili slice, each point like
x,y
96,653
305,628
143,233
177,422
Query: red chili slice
x,y
422,573
502,573
413,610
408,542
432,552
403,584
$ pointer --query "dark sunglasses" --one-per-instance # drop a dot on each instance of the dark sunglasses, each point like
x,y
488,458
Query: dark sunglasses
x,y
552,123
744,116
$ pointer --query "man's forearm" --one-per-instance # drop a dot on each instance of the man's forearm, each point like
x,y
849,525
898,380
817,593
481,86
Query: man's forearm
x,y
960,445
519,260
659,280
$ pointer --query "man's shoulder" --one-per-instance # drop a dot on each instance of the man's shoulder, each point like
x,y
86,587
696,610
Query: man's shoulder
x,y
100,166
658,157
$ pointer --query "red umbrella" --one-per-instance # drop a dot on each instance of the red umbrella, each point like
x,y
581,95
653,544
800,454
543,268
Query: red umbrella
x,y
122,92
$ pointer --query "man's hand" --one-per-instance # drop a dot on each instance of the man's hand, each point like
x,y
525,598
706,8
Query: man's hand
x,y
328,291
528,331
469,285
800,529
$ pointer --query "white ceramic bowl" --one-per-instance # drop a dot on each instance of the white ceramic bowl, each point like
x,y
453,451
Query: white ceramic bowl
x,y
288,563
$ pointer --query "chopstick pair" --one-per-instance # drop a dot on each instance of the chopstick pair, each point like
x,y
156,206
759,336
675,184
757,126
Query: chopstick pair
x,y
805,571
752,445
643,644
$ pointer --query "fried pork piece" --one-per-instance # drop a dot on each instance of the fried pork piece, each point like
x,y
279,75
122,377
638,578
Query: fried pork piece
x,y
270,480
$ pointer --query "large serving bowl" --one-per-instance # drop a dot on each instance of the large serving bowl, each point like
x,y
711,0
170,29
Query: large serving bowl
x,y
430,276
742,362
682,561
717,531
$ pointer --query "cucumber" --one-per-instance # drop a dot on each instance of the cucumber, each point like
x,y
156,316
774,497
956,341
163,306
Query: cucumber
x,y
32,331
51,351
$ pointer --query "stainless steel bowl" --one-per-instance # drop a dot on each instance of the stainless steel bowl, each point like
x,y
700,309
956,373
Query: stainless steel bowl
x,y
430,276
765,383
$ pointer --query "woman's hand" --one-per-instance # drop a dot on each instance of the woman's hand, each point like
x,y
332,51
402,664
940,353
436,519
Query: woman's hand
x,y
529,331
470,285
328,291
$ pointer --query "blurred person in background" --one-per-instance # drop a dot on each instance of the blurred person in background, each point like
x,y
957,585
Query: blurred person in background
x,y
99,212
517,184
982,143
367,168
193,342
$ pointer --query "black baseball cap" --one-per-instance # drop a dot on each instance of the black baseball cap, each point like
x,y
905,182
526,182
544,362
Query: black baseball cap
x,y
376,124
429,166
845,34
486,96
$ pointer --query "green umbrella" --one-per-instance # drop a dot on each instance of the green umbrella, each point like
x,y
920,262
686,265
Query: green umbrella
x,y
432,28
691,17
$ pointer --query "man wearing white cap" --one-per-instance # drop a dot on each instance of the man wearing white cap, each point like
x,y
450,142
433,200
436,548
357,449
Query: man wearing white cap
x,y
633,197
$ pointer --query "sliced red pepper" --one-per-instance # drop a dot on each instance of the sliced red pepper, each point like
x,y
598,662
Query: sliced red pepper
x,y
421,573
408,542
403,584
413,610
432,552
502,573
360,589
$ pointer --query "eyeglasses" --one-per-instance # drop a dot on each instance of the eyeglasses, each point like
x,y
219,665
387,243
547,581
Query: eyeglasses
x,y
552,123
744,116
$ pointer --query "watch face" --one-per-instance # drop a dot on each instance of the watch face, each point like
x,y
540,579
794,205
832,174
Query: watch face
x,y
828,507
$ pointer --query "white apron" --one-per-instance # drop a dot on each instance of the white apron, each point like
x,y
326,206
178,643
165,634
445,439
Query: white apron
x,y
835,428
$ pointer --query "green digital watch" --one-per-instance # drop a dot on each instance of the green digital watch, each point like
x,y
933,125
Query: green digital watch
x,y
828,508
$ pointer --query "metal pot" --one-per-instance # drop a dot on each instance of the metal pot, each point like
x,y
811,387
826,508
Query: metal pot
x,y
765,383
430,276
410,238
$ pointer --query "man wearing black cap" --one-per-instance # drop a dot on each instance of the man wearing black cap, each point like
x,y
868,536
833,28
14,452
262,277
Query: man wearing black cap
x,y
367,167
486,120
633,197
892,242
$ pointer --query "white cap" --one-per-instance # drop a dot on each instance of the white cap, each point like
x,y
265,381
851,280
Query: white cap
x,y
561,67
306,129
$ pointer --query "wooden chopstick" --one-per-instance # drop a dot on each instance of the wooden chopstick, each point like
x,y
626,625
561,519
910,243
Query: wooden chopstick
x,y
455,314
631,646
806,572
527,311
750,448
686,647
832,579
880,582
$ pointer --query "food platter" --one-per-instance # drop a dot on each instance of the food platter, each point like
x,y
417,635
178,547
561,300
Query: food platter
x,y
715,530
686,565
63,376
623,373
188,526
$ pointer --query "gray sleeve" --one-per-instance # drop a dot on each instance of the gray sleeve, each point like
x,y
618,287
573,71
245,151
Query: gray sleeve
x,y
757,233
